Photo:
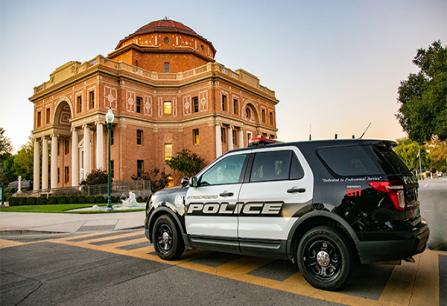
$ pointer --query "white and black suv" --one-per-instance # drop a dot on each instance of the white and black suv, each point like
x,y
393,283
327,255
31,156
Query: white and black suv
x,y
323,204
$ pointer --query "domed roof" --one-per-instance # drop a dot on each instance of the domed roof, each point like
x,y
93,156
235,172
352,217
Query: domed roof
x,y
164,26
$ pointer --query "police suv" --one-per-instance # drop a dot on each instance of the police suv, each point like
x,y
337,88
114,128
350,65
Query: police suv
x,y
322,204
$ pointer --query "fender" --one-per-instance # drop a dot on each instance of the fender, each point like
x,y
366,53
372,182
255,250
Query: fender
x,y
173,215
315,214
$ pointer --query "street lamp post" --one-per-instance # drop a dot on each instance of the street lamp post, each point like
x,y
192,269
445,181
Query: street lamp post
x,y
109,120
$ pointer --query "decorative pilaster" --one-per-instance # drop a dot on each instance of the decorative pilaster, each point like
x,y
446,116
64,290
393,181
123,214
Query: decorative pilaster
x,y
74,158
218,141
99,146
44,164
36,166
53,165
230,138
87,152
241,138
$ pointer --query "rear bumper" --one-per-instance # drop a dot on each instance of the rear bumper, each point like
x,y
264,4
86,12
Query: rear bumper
x,y
395,249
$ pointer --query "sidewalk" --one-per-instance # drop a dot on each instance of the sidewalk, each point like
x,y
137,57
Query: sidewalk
x,y
70,223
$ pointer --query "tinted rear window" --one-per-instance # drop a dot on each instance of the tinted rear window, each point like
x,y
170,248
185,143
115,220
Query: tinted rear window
x,y
350,160
362,160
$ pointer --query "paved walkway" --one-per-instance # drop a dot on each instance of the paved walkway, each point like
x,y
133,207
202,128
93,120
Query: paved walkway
x,y
70,223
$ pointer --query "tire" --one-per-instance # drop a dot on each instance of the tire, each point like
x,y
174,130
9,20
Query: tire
x,y
324,258
168,242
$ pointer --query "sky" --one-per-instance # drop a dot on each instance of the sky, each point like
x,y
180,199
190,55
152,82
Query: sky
x,y
335,65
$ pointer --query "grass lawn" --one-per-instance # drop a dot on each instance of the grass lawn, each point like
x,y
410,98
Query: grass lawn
x,y
60,208
48,208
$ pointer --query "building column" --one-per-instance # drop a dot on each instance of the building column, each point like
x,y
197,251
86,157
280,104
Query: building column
x,y
87,152
44,163
53,165
230,138
218,141
241,138
74,158
36,166
99,146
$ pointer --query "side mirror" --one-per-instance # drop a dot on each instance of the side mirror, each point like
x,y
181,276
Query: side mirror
x,y
194,182
185,181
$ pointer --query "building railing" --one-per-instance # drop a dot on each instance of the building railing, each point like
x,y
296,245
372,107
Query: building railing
x,y
76,68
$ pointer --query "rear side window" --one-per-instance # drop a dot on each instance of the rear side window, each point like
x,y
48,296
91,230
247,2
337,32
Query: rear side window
x,y
296,171
271,166
351,160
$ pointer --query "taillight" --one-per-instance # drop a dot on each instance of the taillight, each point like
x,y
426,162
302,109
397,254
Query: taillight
x,y
395,192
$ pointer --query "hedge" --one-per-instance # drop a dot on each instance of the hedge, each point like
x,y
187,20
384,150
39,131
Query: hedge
x,y
69,199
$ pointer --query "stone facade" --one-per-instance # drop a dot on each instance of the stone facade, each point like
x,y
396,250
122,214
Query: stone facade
x,y
167,93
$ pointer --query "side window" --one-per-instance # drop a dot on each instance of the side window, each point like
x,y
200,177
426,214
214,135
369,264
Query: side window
x,y
296,171
226,171
271,166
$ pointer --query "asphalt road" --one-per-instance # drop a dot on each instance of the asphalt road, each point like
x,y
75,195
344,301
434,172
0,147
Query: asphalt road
x,y
433,199
46,274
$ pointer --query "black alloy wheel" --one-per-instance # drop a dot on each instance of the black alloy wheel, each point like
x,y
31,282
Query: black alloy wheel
x,y
324,258
168,242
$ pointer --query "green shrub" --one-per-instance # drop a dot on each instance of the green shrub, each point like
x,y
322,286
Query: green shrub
x,y
41,201
30,201
52,200
100,199
12,201
61,200
90,199
81,200
116,199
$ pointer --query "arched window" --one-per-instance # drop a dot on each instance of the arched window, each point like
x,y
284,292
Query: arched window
x,y
166,40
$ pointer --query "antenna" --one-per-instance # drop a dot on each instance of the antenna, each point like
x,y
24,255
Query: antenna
x,y
365,131
310,131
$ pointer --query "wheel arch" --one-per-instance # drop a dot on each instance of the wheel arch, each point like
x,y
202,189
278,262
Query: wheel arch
x,y
313,219
162,210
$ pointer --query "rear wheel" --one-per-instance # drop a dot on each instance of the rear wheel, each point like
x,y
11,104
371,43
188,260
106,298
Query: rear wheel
x,y
168,242
324,258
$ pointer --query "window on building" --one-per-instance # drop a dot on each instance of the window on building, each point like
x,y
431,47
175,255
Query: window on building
x,y
58,148
66,174
224,103
47,115
271,118
263,115
223,135
136,62
111,137
39,119
264,135
195,104
58,175
91,99
168,151
195,136
139,105
236,106
235,140
66,146
140,167
166,40
167,67
112,168
140,137
79,104
249,134
167,107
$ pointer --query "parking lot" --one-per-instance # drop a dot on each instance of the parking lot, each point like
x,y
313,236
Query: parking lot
x,y
121,268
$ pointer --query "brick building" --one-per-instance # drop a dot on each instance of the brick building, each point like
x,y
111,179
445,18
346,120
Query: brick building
x,y
167,93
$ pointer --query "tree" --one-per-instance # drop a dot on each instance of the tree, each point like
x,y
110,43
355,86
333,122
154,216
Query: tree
x,y
187,163
97,177
5,143
159,179
408,150
437,154
23,160
423,96
7,172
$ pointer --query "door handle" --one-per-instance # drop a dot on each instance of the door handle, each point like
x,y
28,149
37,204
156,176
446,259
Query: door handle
x,y
226,194
296,190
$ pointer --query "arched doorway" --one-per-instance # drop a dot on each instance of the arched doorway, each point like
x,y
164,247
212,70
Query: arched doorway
x,y
62,130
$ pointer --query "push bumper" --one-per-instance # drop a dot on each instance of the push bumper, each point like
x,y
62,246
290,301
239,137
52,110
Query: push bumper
x,y
395,249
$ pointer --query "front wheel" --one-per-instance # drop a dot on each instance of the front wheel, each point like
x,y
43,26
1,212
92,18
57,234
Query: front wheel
x,y
168,242
324,258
